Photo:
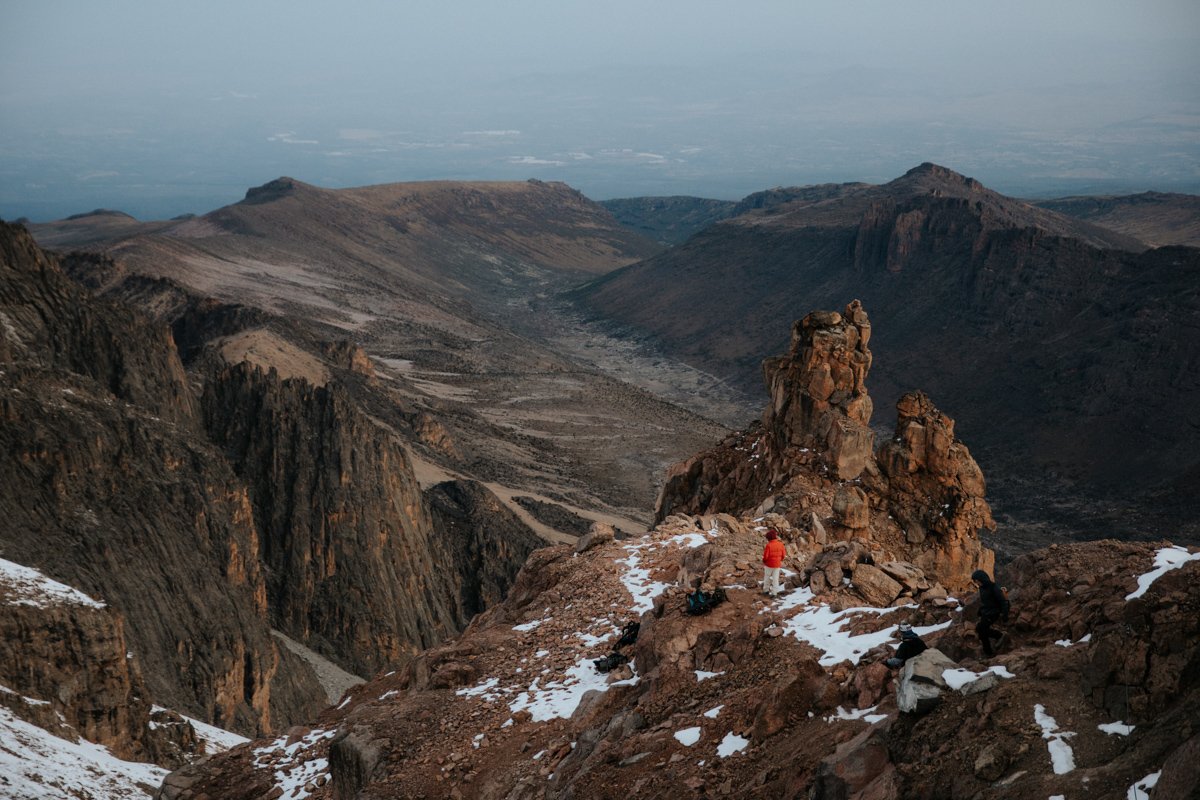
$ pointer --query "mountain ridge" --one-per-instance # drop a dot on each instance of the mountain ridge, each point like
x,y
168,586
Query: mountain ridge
x,y
968,300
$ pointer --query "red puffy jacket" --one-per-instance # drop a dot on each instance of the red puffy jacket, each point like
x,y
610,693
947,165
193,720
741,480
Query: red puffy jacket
x,y
773,554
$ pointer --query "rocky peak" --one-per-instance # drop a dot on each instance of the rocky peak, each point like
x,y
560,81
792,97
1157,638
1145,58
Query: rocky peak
x,y
272,190
818,390
920,499
935,490
935,178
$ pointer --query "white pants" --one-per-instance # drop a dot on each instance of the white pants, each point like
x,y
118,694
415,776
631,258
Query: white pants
x,y
771,580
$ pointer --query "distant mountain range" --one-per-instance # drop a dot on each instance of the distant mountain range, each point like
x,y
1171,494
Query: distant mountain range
x,y
1066,350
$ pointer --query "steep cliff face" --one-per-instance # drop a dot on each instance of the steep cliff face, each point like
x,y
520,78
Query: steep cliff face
x,y
347,542
110,486
811,460
483,544
68,653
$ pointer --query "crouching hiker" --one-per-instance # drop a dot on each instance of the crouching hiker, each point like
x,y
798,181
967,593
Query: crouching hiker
x,y
773,555
993,608
910,645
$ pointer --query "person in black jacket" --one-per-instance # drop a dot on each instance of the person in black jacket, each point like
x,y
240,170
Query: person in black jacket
x,y
910,645
993,607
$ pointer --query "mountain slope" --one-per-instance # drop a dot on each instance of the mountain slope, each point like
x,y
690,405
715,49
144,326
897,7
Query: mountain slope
x,y
1156,218
1095,687
1035,331
448,287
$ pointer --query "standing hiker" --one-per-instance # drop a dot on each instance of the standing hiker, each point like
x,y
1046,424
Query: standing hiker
x,y
773,555
910,645
993,607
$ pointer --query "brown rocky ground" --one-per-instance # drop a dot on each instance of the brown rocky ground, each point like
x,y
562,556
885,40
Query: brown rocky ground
x,y
1095,688
515,709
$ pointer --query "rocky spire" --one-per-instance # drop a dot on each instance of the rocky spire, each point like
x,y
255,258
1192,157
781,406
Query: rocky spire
x,y
818,390
935,490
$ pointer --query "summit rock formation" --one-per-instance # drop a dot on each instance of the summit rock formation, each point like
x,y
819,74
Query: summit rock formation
x,y
812,460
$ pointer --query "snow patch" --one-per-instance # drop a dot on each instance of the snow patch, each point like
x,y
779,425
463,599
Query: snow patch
x,y
1062,758
1141,789
1165,560
857,713
559,699
702,676
732,743
35,765
528,626
484,690
292,771
688,736
32,588
689,539
637,582
821,627
712,712
1116,728
958,678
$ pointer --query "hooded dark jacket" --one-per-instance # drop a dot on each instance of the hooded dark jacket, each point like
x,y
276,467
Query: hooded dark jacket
x,y
992,602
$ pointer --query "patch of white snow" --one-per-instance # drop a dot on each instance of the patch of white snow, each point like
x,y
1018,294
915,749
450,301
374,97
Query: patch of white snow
x,y
1141,789
35,765
688,736
1165,560
559,699
732,743
1117,728
31,588
1062,758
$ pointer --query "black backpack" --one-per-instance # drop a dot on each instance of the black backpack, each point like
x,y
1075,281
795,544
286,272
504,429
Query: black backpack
x,y
629,635
701,602
609,662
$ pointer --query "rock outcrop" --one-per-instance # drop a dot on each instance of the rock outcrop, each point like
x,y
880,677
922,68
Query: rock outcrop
x,y
919,499
818,392
935,490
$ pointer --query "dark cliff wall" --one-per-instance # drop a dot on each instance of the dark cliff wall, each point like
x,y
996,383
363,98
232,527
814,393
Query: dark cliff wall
x,y
1040,344
110,487
346,540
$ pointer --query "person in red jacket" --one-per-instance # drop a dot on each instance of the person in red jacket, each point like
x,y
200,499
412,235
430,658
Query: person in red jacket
x,y
773,555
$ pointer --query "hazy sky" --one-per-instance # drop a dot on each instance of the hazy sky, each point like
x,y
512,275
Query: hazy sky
x,y
160,108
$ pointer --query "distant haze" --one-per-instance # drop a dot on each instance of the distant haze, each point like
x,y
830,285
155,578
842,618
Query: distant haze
x,y
158,109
